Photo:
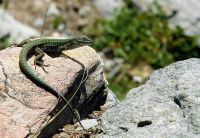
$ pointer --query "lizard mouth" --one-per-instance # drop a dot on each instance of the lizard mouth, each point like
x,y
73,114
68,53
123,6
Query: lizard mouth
x,y
89,41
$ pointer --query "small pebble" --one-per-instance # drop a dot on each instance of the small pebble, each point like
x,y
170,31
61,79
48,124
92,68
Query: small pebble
x,y
87,124
61,27
137,79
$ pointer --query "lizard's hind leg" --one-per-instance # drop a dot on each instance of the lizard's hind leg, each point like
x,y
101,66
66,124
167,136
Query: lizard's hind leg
x,y
38,59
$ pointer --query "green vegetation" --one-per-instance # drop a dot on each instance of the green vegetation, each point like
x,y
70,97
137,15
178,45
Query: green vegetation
x,y
141,37
57,20
4,42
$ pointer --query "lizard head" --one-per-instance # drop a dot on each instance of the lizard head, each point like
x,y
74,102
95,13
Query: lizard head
x,y
83,40
78,42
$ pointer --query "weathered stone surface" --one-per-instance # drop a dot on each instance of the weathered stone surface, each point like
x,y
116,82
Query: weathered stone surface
x,y
25,106
167,105
16,30
186,17
111,101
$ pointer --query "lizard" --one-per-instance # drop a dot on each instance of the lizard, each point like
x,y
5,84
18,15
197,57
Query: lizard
x,y
41,45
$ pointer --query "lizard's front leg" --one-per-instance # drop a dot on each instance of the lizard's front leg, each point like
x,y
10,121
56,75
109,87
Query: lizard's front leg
x,y
38,59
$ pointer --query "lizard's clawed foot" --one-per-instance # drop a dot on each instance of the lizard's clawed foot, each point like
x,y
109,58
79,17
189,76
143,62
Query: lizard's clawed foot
x,y
42,65
44,70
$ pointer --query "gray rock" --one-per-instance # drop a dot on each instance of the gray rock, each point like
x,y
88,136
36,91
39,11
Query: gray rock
x,y
167,106
111,101
16,30
87,124
187,16
38,22
53,10
107,7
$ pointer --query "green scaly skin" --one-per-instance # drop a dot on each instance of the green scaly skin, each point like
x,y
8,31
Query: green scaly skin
x,y
53,45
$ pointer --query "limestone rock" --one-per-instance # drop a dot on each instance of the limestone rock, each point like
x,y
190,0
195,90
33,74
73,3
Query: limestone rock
x,y
166,106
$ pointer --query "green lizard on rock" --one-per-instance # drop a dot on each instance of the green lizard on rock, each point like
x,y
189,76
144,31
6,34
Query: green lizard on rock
x,y
41,45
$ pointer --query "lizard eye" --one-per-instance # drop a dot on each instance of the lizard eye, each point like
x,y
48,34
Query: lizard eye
x,y
85,38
